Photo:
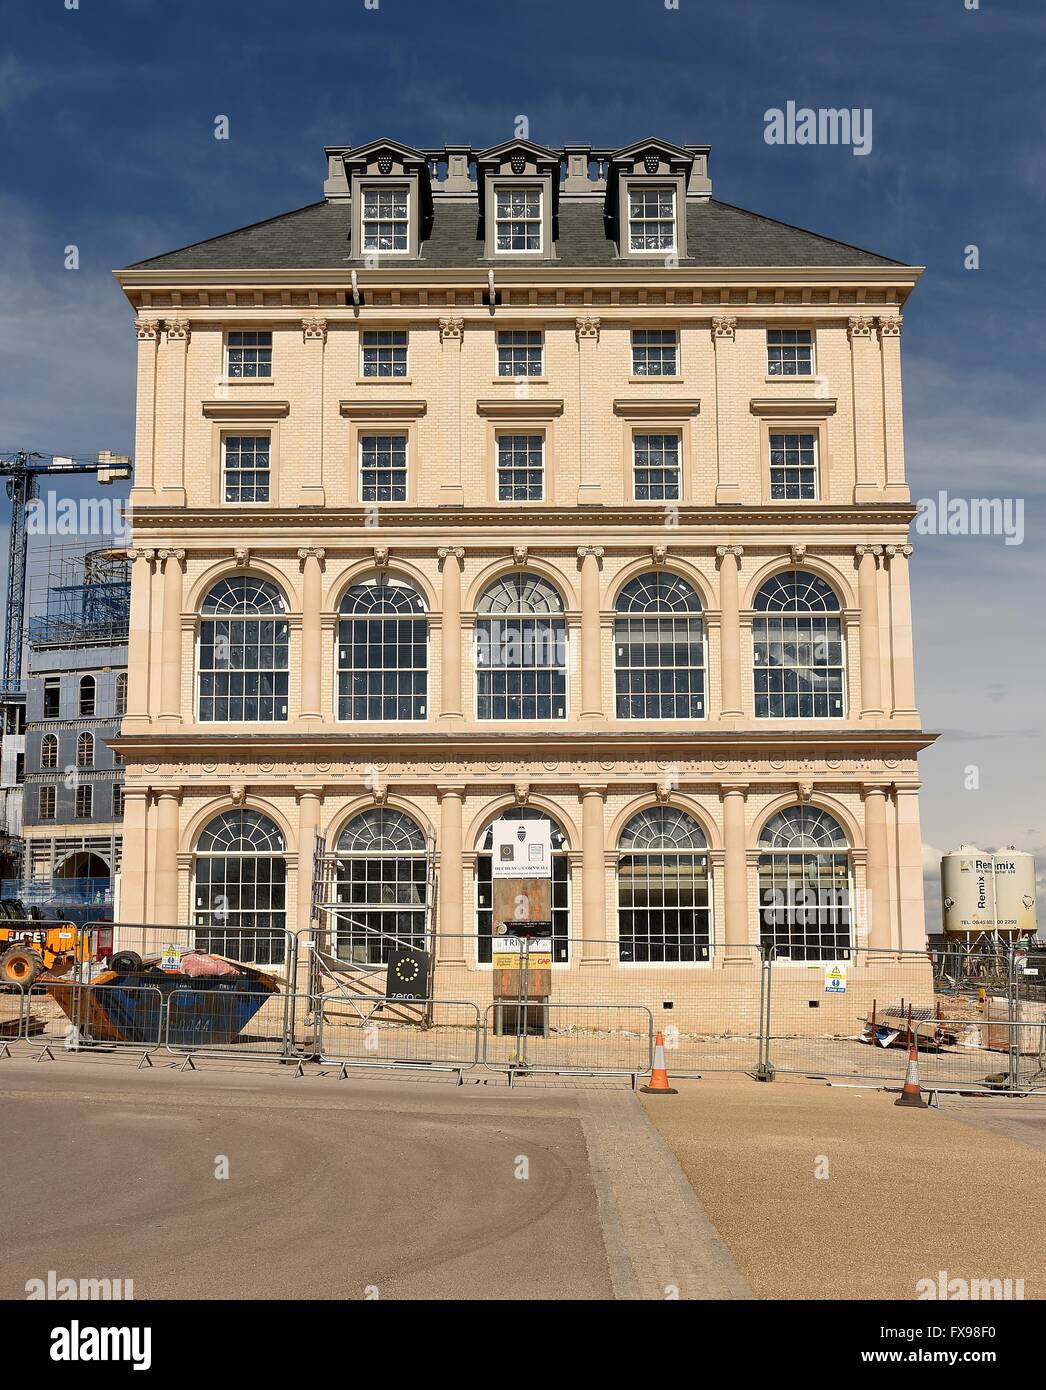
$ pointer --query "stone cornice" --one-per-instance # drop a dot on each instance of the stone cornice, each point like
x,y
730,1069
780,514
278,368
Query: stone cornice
x,y
715,520
505,744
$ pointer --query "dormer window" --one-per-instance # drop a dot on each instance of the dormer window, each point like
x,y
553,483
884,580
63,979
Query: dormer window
x,y
652,218
385,220
518,217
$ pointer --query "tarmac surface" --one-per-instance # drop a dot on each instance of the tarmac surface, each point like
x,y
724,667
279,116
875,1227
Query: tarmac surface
x,y
907,1193
370,1187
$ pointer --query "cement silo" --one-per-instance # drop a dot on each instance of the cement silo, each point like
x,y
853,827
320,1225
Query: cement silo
x,y
988,893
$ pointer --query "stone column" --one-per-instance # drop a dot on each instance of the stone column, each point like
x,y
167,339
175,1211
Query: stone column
x,y
730,629
171,407
593,875
135,856
728,486
896,489
451,557
312,663
739,931
166,899
590,459
591,633
148,335
139,629
903,701
171,635
450,919
309,801
910,905
451,336
310,491
868,599
866,386
877,872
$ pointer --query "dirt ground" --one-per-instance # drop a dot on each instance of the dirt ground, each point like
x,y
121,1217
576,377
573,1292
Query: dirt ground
x,y
907,1193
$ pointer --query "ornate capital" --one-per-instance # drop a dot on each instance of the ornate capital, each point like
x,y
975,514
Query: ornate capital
x,y
312,552
314,329
894,550
596,551
451,330
890,325
587,328
147,330
178,331
859,326
862,550
178,555
451,552
138,554
519,554
723,327
722,551
798,554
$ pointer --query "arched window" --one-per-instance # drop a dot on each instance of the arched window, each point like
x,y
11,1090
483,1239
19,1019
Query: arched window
x,y
382,651
87,695
663,888
804,885
240,888
121,693
797,649
560,885
383,882
521,650
659,655
49,750
243,652
85,750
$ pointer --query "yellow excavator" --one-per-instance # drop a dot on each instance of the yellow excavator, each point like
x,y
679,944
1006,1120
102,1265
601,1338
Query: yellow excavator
x,y
28,949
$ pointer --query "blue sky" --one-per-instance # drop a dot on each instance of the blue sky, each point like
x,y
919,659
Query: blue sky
x,y
106,134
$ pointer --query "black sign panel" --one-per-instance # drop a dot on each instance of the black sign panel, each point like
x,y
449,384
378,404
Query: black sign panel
x,y
408,976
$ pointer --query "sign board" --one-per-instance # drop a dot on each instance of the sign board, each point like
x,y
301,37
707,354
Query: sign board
x,y
408,974
508,949
521,870
171,958
835,978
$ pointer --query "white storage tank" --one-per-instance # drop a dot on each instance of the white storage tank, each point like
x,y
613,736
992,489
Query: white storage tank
x,y
988,891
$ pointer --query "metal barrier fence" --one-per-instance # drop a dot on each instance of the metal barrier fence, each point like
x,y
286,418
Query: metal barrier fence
x,y
744,1009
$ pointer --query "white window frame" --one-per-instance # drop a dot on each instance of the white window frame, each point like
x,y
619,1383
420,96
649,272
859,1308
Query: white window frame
x,y
244,502
774,433
511,347
520,434
377,347
365,221
651,376
510,188
654,433
384,434
636,190
258,332
791,376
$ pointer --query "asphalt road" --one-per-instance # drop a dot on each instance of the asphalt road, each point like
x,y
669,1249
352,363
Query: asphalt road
x,y
334,1188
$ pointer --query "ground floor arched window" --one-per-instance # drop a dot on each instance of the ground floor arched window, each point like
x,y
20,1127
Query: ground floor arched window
x,y
240,888
664,900
804,885
560,887
382,886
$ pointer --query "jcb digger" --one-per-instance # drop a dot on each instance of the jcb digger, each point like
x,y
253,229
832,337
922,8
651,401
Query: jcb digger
x,y
28,949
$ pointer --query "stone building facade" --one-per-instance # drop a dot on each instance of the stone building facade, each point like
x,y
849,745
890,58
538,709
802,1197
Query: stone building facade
x,y
526,481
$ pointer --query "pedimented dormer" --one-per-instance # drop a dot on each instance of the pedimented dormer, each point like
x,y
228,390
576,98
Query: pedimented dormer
x,y
646,198
518,191
390,195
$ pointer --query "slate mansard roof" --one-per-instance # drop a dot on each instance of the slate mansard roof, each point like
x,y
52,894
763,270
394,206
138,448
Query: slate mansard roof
x,y
317,237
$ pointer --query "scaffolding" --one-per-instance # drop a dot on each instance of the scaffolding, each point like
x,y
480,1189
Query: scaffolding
x,y
88,599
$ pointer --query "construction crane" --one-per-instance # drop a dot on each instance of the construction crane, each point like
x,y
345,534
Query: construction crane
x,y
23,470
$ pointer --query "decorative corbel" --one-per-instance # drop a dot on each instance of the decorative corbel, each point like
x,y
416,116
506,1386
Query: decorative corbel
x,y
519,554
521,791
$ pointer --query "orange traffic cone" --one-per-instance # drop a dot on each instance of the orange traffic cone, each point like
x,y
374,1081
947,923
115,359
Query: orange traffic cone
x,y
659,1072
911,1092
